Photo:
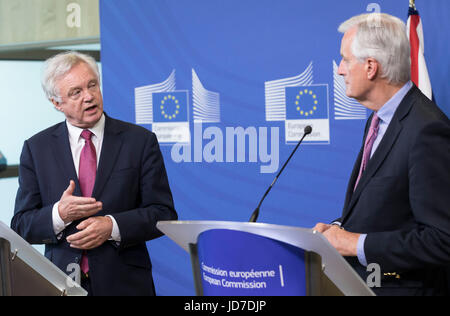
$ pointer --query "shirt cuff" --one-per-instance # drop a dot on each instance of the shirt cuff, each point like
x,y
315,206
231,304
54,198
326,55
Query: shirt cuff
x,y
115,234
360,250
58,223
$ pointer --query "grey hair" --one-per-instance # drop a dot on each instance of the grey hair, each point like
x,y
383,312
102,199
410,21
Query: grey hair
x,y
59,65
382,37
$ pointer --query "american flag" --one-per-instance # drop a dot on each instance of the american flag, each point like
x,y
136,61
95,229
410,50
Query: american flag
x,y
419,72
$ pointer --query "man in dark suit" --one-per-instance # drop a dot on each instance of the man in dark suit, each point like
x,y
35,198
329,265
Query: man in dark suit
x,y
92,188
397,206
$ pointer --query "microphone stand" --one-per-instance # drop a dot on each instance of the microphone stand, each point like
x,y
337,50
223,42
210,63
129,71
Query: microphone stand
x,y
255,214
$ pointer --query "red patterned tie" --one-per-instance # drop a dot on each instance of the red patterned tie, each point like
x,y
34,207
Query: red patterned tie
x,y
86,175
370,139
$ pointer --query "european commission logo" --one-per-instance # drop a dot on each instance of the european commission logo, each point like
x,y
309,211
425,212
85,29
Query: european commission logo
x,y
306,102
170,107
307,105
167,109
298,102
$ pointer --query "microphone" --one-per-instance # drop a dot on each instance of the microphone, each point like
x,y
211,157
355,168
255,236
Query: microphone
x,y
254,217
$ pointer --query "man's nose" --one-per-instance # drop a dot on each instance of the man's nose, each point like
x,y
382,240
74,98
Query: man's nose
x,y
341,68
88,96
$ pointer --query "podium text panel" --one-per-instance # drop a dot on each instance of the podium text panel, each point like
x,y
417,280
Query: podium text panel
x,y
234,263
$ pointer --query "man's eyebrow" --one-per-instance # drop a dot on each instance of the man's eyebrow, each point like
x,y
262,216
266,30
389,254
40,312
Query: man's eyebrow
x,y
73,88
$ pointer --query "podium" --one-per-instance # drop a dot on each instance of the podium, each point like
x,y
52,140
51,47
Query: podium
x,y
252,259
26,272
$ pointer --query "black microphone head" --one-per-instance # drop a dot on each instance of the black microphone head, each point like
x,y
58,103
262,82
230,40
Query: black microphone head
x,y
308,130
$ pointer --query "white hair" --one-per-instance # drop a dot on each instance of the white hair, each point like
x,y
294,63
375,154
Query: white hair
x,y
382,37
59,65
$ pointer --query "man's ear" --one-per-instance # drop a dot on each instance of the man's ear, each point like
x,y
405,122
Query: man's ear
x,y
57,105
372,68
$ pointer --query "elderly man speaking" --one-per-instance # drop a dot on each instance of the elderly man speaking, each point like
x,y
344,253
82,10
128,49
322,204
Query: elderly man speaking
x,y
92,188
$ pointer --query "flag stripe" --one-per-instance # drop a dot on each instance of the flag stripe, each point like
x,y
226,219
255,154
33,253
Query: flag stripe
x,y
419,71
414,40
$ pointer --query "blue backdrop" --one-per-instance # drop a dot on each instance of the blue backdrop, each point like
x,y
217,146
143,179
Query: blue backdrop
x,y
228,86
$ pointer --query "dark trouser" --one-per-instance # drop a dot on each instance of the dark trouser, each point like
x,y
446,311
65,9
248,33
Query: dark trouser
x,y
86,283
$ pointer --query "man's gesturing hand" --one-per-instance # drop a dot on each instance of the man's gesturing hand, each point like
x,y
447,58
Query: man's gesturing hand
x,y
71,207
94,231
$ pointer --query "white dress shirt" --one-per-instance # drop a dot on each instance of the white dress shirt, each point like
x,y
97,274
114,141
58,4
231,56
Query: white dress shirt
x,y
76,146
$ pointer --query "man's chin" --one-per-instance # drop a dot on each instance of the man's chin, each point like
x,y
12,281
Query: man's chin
x,y
349,94
89,120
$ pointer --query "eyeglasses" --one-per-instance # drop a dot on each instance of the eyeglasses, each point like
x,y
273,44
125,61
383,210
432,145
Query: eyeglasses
x,y
76,93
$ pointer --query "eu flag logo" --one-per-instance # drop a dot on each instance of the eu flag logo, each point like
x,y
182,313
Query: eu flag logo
x,y
170,107
307,102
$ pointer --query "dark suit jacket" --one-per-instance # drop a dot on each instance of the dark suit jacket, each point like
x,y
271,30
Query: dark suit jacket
x,y
403,200
131,183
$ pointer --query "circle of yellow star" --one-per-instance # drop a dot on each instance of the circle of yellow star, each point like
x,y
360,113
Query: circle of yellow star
x,y
312,106
167,101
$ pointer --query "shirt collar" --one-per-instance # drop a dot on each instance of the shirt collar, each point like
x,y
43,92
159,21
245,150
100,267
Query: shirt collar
x,y
75,132
388,109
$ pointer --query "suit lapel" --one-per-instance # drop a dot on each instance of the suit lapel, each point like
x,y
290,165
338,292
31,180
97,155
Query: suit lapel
x,y
351,183
384,148
112,142
63,154
377,159
355,173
